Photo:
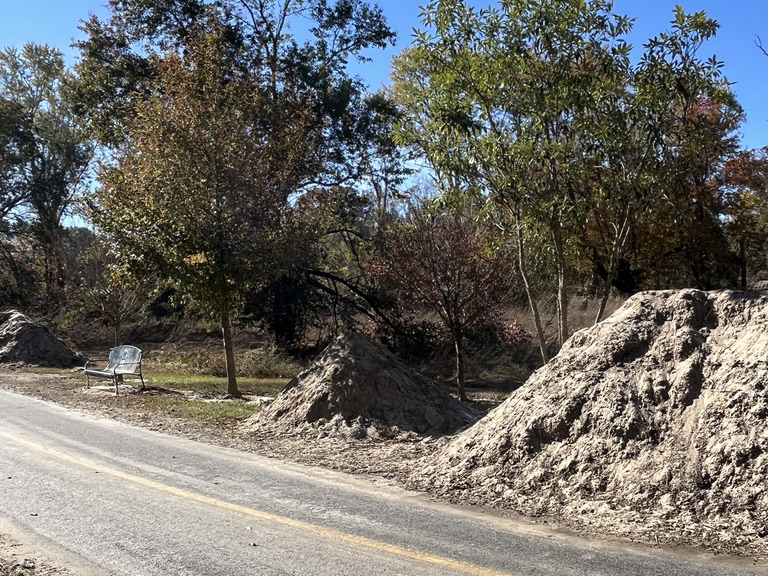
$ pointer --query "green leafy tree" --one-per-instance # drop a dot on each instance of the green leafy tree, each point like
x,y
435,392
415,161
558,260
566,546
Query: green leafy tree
x,y
16,148
45,149
261,37
298,47
537,104
200,190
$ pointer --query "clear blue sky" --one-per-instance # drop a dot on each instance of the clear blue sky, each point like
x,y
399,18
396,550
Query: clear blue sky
x,y
55,22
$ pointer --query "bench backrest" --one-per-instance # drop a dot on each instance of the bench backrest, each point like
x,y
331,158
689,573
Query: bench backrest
x,y
124,359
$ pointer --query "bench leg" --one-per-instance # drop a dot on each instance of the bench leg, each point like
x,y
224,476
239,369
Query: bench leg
x,y
142,381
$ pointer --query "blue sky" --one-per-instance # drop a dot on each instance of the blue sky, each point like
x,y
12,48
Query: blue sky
x,y
55,22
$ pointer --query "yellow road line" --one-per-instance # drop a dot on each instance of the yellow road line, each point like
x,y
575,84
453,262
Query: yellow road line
x,y
329,533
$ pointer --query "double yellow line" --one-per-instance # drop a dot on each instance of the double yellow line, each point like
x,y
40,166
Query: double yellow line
x,y
329,533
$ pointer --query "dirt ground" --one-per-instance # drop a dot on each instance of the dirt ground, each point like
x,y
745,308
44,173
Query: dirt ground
x,y
17,559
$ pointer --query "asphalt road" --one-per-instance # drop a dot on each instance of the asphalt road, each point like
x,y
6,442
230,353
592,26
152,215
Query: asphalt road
x,y
108,498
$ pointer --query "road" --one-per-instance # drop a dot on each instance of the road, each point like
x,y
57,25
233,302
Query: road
x,y
116,499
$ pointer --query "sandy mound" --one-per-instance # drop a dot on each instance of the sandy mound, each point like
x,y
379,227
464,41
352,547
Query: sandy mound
x,y
357,388
652,422
24,342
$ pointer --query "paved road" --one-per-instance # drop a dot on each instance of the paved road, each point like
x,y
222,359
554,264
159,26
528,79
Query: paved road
x,y
115,499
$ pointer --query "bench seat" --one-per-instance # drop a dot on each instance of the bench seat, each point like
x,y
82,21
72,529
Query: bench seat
x,y
123,361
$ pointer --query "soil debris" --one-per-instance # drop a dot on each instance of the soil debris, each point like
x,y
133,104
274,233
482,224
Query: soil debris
x,y
651,422
24,342
358,389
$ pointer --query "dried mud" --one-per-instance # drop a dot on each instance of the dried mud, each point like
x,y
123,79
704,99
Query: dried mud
x,y
24,342
358,389
651,424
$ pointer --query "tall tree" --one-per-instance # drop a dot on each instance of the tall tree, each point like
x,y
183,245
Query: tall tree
x,y
114,66
538,104
48,148
200,190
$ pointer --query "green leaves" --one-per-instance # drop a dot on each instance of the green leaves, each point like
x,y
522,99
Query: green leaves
x,y
538,105
201,188
44,153
116,67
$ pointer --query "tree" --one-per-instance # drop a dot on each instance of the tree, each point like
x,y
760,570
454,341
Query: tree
x,y
200,189
114,68
16,147
537,105
103,289
45,150
746,209
438,260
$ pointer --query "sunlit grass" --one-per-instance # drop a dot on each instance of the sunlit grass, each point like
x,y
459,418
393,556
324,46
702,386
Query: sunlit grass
x,y
202,384
200,410
181,393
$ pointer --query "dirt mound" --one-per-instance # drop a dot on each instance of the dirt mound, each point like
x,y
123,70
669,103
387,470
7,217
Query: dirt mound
x,y
652,422
357,388
25,342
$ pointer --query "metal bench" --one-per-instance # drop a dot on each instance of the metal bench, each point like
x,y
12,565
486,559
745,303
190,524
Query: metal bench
x,y
123,361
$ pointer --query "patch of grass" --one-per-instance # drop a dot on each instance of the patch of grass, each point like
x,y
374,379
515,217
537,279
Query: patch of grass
x,y
202,410
267,362
203,384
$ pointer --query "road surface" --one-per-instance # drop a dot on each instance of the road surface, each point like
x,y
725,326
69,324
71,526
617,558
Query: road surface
x,y
109,498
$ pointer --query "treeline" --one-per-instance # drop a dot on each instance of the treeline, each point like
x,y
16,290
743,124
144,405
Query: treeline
x,y
221,157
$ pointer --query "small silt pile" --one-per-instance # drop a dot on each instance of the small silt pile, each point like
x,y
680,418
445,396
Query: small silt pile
x,y
357,389
653,422
23,342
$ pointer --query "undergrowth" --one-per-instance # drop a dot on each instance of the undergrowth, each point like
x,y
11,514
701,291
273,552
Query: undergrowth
x,y
266,362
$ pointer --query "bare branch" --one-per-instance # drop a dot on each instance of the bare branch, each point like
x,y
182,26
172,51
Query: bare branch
x,y
759,44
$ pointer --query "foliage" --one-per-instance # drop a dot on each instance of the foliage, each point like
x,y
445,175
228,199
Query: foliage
x,y
228,149
115,65
441,261
45,155
745,177
537,104
200,191
103,290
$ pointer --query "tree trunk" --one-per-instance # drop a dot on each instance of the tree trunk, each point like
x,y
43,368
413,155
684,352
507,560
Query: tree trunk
x,y
616,251
458,341
229,352
523,269
562,288
604,299
743,261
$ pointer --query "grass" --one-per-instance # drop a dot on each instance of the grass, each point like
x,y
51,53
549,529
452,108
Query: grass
x,y
262,363
212,385
202,410
179,391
